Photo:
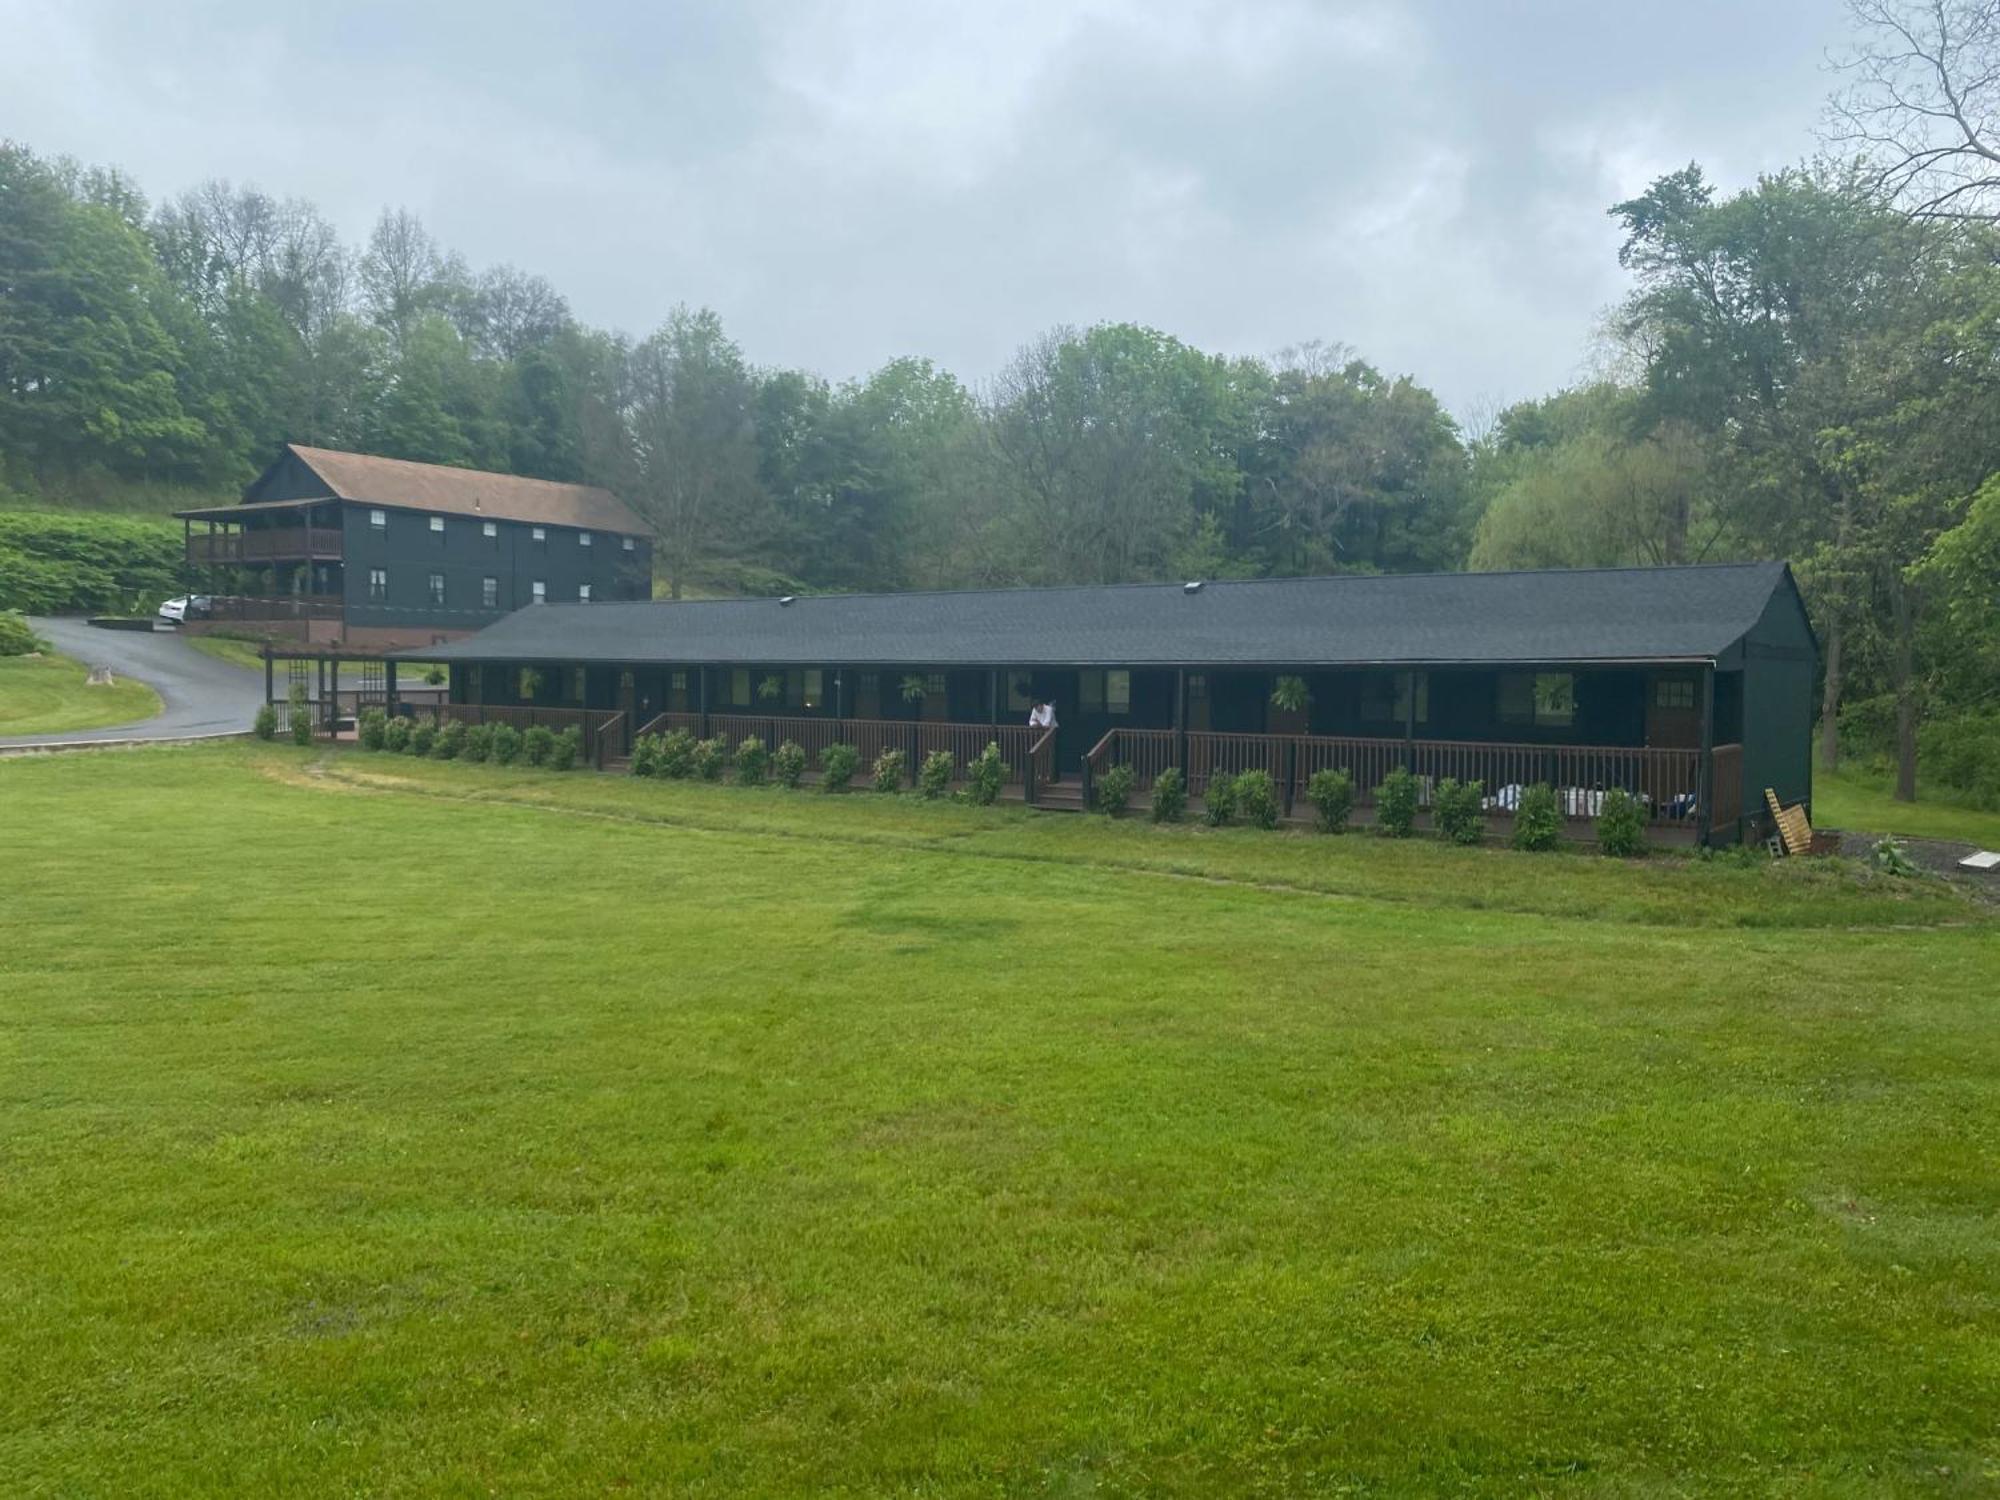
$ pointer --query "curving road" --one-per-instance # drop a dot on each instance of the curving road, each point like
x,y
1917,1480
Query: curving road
x,y
202,694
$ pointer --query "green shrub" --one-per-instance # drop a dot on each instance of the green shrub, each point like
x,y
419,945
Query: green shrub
x,y
934,775
985,774
1331,792
1111,790
676,755
1219,801
1538,820
265,725
70,562
450,741
1621,825
1396,804
1257,799
423,736
478,743
788,764
434,675
751,760
1889,858
300,715
396,735
1169,796
888,770
1458,811
837,765
646,755
709,758
17,638
369,728
506,744
537,744
1963,753
566,749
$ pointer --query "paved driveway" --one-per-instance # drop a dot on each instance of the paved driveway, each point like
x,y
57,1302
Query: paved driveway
x,y
202,695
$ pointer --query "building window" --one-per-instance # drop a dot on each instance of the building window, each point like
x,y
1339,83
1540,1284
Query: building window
x,y
539,534
489,593
1018,688
378,520
378,585
680,682
437,524
583,539
583,593
1674,692
627,543
541,590
815,688
530,684
1105,692
489,528
576,684
739,688
475,683
933,684
437,588
1546,700
1385,697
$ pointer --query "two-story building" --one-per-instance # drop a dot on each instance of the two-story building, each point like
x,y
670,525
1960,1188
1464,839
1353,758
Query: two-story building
x,y
381,553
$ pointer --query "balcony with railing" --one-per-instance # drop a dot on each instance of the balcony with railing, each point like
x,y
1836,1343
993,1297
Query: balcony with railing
x,y
264,544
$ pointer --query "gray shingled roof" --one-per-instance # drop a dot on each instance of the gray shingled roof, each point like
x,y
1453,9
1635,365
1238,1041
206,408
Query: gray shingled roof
x,y
1574,616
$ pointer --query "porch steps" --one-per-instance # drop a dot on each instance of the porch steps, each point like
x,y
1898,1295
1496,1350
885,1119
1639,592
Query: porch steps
x,y
1064,796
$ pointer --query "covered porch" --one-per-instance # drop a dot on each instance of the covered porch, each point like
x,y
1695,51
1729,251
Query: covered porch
x,y
1668,733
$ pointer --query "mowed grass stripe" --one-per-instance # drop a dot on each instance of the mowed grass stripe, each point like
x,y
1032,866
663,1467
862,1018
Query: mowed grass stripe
x,y
391,1143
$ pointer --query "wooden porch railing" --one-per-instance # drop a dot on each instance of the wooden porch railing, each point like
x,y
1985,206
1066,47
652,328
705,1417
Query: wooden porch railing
x,y
1667,781
277,543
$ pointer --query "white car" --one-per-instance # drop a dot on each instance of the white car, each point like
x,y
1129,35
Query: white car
x,y
186,607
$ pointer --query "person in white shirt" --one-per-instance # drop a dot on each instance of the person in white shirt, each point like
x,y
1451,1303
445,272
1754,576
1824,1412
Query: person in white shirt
x,y
1043,716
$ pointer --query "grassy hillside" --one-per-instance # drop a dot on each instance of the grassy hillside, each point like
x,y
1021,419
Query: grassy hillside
x,y
380,1126
1860,802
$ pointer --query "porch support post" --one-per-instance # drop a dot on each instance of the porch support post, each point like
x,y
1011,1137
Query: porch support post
x,y
268,683
389,688
993,697
1410,721
701,677
1180,723
1705,794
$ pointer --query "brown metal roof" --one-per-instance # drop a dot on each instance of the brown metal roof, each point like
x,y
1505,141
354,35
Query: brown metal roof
x,y
468,492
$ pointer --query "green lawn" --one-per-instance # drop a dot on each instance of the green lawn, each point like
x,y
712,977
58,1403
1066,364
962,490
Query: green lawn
x,y
1856,801
49,694
378,1126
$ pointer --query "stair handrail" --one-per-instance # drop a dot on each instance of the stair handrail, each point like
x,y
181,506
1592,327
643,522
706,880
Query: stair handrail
x,y
1031,774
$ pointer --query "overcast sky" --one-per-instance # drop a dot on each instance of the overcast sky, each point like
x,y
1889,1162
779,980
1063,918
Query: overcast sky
x,y
1425,181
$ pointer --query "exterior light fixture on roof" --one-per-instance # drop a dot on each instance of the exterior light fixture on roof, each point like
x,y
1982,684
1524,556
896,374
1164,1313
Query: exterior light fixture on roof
x,y
1192,586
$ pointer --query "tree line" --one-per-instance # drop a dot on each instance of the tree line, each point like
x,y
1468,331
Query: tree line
x,y
1803,369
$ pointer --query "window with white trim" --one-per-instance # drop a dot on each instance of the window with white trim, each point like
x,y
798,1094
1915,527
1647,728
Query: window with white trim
x,y
378,585
539,534
437,589
583,593
489,593
437,524
489,528
583,539
378,520
627,543
540,589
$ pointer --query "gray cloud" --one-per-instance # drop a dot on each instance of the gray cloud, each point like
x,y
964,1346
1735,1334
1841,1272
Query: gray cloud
x,y
1424,181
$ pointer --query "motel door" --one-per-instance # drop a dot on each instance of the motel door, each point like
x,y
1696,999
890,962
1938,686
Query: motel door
x,y
1673,711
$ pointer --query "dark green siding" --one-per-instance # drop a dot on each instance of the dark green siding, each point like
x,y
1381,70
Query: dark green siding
x,y
1780,661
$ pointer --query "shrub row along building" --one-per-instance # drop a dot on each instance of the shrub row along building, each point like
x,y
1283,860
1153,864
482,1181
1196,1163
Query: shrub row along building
x,y
1689,687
